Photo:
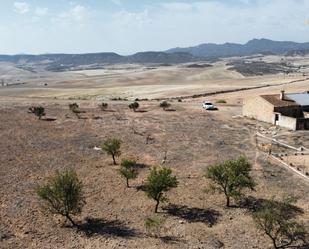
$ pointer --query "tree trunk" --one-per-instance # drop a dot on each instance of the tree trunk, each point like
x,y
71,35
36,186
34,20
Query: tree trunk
x,y
157,205
70,219
114,160
274,243
127,182
227,201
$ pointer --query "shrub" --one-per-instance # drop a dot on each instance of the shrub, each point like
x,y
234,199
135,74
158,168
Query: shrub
x,y
230,177
63,194
134,106
128,170
154,225
73,106
221,101
165,104
158,182
38,111
274,219
112,147
103,106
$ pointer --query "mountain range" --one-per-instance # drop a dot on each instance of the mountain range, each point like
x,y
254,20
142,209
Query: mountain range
x,y
207,51
255,46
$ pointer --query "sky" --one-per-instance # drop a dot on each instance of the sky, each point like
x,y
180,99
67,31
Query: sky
x,y
129,26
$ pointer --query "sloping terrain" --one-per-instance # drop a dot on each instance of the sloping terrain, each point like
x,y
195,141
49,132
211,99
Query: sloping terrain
x,y
113,216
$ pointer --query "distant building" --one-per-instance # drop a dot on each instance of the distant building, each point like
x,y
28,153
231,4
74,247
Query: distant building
x,y
287,110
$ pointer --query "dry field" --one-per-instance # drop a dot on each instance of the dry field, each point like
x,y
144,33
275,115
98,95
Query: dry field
x,y
32,150
140,81
113,217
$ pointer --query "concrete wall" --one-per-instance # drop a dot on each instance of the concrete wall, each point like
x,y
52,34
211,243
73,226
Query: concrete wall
x,y
287,122
259,109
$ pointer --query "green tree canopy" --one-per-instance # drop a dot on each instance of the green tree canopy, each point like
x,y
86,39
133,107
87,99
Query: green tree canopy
x,y
231,177
134,106
128,170
63,194
275,220
158,182
112,147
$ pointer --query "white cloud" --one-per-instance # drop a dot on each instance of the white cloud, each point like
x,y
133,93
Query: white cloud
x,y
40,11
21,7
134,19
74,15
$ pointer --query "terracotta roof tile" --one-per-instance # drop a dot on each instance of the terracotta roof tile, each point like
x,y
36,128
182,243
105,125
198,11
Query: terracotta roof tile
x,y
275,100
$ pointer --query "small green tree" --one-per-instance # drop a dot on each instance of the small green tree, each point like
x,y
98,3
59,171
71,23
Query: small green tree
x,y
274,219
158,182
73,106
38,111
103,106
134,106
63,194
230,177
128,170
164,104
112,147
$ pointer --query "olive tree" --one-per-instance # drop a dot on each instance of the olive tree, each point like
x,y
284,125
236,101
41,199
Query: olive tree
x,y
164,104
63,194
103,106
134,106
112,147
160,181
231,177
38,111
274,219
128,170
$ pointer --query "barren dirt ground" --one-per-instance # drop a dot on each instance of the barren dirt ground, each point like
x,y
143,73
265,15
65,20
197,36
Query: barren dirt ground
x,y
32,150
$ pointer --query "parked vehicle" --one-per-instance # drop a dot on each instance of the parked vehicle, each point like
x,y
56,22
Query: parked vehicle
x,y
209,106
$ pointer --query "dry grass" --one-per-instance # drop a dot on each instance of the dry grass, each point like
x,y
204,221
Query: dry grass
x,y
114,215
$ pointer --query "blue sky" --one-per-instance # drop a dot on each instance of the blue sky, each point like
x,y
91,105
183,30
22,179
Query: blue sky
x,y
128,26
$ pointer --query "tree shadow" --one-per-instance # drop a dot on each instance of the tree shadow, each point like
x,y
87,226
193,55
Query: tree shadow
x,y
208,216
170,239
95,226
140,166
141,188
254,204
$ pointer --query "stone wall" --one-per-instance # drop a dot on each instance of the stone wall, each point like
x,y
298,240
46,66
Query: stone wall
x,y
259,109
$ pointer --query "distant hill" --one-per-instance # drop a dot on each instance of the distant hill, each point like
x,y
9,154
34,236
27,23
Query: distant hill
x,y
207,51
255,46
62,62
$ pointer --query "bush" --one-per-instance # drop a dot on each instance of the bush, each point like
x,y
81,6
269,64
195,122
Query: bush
x,y
221,101
38,111
274,219
128,170
158,182
230,177
103,106
73,106
63,194
134,106
112,147
165,104
154,225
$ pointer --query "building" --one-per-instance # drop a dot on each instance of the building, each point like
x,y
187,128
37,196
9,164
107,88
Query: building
x,y
287,110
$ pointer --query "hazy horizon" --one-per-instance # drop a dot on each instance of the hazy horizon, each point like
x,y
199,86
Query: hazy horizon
x,y
127,27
